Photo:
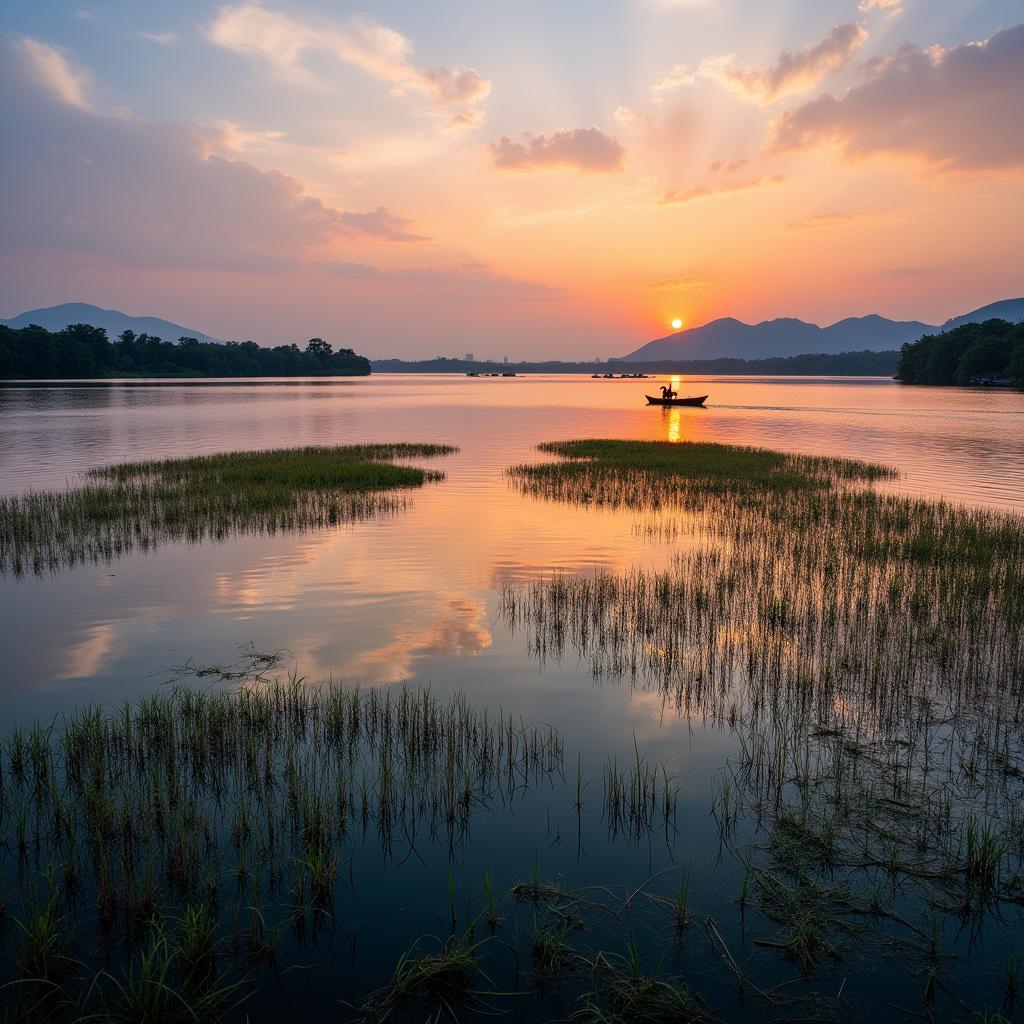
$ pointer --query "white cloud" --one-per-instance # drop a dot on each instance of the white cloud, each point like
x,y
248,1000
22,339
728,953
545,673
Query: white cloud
x,y
792,72
678,76
53,71
888,7
161,38
283,43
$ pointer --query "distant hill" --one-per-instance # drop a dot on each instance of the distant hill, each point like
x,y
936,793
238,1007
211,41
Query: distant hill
x,y
833,364
731,338
1011,310
113,321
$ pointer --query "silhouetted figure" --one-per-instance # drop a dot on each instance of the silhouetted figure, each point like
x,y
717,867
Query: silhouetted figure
x,y
667,392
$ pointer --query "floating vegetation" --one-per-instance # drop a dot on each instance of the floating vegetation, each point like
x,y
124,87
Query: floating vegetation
x,y
231,814
137,506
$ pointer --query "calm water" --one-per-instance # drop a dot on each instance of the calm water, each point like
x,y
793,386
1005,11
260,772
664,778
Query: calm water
x,y
416,597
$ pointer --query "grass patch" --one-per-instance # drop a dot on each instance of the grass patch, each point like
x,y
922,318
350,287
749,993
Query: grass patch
x,y
163,836
864,650
139,505
635,473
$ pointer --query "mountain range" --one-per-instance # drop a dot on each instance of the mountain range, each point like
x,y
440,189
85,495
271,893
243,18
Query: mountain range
x,y
789,337
56,318
724,338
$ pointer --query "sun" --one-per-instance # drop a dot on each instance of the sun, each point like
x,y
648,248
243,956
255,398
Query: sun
x,y
676,324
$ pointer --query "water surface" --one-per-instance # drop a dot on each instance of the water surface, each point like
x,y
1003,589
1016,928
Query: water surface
x,y
416,597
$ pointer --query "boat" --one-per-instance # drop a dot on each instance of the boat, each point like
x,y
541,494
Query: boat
x,y
692,400
990,380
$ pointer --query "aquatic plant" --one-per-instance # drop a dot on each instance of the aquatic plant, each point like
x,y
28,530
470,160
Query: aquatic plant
x,y
862,647
152,832
136,506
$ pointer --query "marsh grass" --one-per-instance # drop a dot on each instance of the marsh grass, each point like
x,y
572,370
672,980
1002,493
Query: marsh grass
x,y
439,983
194,825
136,506
865,649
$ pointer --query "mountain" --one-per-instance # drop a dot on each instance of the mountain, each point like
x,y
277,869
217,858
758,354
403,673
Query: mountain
x,y
782,337
786,336
1008,309
56,318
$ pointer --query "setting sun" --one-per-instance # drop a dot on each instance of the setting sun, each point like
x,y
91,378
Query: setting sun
x,y
676,324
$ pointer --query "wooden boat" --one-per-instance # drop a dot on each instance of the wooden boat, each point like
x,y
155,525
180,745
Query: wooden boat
x,y
693,400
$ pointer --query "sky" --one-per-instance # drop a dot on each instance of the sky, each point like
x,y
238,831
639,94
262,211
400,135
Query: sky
x,y
531,179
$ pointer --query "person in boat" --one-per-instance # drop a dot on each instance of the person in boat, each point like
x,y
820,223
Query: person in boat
x,y
667,392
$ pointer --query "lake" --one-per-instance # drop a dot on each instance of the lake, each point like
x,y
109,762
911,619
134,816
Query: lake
x,y
417,597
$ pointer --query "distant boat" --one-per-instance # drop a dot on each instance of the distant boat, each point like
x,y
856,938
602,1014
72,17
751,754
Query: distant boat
x,y
990,380
473,373
510,374
693,400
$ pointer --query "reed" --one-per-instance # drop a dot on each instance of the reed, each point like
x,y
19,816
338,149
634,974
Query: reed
x,y
137,506
169,832
863,648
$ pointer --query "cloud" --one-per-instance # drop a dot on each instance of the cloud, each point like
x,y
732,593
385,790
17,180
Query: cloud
x,y
727,168
585,149
678,196
825,220
676,284
675,78
151,194
888,7
284,44
954,109
52,70
381,223
792,73
161,38
629,116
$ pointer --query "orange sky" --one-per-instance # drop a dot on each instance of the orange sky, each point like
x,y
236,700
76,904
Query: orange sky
x,y
512,182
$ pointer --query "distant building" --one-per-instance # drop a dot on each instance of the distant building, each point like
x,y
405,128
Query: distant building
x,y
469,357
504,359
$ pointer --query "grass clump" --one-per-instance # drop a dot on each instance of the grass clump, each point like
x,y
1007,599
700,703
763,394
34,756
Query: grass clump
x,y
161,836
632,473
139,505
439,982
624,993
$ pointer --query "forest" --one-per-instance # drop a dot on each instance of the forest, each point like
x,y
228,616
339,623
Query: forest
x,y
994,348
83,351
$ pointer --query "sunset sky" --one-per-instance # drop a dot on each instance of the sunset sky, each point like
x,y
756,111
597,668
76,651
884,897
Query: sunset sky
x,y
535,179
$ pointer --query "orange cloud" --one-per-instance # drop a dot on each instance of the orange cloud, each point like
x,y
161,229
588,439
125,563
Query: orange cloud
x,y
793,72
954,109
585,149
676,196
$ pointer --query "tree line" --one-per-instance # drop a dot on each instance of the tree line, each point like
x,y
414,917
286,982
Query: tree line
x,y
80,350
866,364
994,347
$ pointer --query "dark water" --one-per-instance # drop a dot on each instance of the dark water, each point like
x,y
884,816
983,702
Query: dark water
x,y
416,598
